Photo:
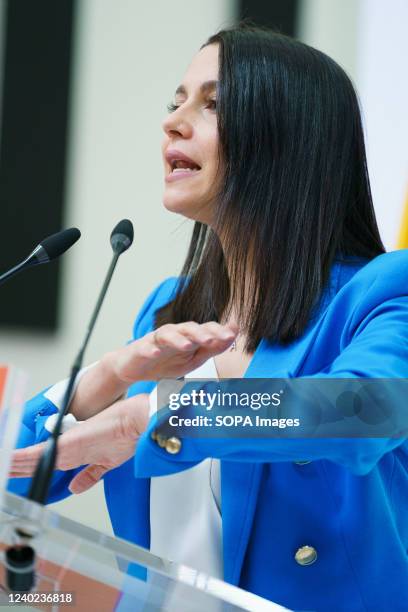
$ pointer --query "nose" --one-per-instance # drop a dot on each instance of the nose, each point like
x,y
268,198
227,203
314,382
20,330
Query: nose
x,y
177,124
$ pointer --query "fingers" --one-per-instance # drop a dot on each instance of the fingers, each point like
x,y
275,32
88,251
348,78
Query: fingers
x,y
190,335
171,336
18,475
28,454
24,461
87,478
207,333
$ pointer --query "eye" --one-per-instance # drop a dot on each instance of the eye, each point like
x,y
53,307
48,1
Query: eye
x,y
211,104
171,107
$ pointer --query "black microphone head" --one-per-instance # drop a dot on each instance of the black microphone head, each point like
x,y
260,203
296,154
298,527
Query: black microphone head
x,y
58,243
122,236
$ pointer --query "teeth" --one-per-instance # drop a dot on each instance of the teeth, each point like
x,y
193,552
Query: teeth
x,y
184,170
182,164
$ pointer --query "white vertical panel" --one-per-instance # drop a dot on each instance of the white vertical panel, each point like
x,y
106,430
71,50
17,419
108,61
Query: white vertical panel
x,y
383,85
330,26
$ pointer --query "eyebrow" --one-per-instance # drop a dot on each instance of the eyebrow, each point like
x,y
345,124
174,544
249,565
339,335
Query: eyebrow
x,y
205,87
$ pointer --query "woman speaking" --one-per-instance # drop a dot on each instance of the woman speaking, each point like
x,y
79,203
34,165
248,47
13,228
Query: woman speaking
x,y
286,277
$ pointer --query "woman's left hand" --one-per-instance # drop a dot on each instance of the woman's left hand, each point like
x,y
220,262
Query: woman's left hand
x,y
102,442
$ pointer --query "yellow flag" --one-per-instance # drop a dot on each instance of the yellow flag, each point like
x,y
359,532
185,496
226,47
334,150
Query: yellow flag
x,y
403,235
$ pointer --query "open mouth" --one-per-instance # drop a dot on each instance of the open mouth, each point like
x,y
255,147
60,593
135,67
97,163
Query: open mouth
x,y
180,166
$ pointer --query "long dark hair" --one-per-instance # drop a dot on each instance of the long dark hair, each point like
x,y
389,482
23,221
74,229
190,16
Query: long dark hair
x,y
295,192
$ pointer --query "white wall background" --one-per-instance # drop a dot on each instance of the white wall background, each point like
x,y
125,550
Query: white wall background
x,y
331,26
368,38
129,58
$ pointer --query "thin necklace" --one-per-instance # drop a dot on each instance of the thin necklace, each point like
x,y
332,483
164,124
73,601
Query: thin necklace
x,y
233,346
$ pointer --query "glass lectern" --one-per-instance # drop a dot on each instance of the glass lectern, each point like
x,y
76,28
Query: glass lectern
x,y
81,569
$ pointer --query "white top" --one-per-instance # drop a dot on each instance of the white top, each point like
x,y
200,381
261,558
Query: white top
x,y
185,508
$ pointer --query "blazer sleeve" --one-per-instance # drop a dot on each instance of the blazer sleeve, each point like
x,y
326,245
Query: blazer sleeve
x,y
375,344
32,431
39,408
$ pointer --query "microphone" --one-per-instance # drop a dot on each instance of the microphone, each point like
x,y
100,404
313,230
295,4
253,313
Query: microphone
x,y
50,248
121,238
20,558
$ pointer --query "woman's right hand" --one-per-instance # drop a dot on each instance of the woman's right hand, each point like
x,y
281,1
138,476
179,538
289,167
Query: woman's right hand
x,y
171,351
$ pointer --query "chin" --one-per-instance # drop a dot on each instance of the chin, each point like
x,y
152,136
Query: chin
x,y
184,207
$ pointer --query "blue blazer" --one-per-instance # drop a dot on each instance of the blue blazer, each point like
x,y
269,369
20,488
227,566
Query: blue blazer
x,y
348,498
